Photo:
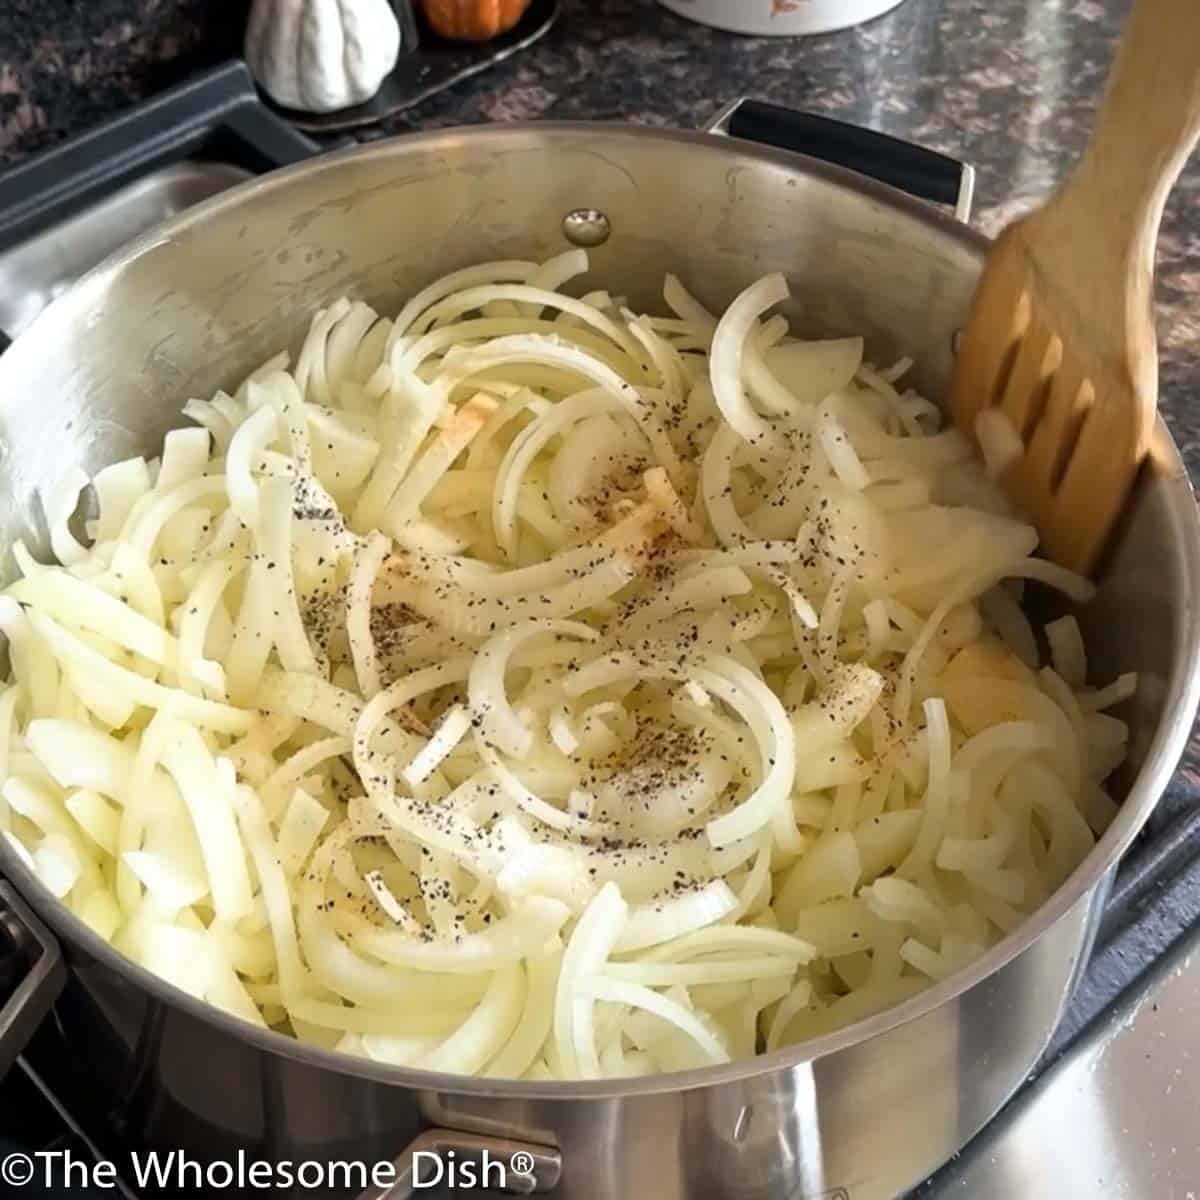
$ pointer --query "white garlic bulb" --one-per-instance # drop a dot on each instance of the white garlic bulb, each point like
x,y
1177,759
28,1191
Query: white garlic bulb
x,y
321,55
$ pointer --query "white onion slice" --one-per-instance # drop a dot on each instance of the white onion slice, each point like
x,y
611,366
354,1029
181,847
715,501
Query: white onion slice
x,y
485,683
680,300
71,651
120,486
455,723
60,503
1067,650
662,921
551,352
163,882
590,945
728,347
367,562
528,444
616,992
247,444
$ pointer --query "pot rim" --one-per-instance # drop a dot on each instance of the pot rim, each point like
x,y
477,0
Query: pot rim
x,y
1165,749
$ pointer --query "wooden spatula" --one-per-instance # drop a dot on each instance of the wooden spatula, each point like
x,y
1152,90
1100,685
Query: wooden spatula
x,y
1061,334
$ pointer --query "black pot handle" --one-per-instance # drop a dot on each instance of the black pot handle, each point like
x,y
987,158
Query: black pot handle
x,y
923,173
30,955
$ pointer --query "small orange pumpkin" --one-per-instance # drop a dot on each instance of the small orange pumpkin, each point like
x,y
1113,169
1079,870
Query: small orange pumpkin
x,y
473,20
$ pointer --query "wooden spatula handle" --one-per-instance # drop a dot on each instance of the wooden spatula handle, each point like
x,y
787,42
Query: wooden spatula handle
x,y
1147,125
1061,336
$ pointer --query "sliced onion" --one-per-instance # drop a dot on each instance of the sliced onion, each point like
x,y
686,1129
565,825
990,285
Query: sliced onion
x,y
526,446
455,281
163,882
455,723
71,651
594,937
526,931
551,352
60,503
665,597
728,348
247,444
526,1041
468,1049
657,922
616,992
369,559
298,831
485,684
436,460
1067,650
120,486
680,301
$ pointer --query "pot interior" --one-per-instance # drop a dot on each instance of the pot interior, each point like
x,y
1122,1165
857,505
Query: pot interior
x,y
194,306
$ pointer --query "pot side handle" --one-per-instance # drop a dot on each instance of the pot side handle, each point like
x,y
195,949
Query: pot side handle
x,y
503,1166
923,173
22,937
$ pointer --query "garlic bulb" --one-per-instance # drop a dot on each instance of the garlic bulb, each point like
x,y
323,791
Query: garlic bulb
x,y
321,55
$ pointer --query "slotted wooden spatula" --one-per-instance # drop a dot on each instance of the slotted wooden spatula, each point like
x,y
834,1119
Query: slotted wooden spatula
x,y
1061,333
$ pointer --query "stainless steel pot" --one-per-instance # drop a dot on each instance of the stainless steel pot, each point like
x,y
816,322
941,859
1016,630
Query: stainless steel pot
x,y
862,1114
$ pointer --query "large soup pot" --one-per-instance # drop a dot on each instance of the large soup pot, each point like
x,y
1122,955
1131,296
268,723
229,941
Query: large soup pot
x,y
861,1114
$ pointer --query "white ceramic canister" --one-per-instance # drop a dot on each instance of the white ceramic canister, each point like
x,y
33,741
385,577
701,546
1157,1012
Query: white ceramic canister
x,y
782,18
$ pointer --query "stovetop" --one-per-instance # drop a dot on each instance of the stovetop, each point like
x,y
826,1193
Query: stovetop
x,y
1108,1112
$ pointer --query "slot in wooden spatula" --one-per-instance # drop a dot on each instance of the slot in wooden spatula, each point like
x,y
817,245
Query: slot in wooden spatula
x,y
1061,334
